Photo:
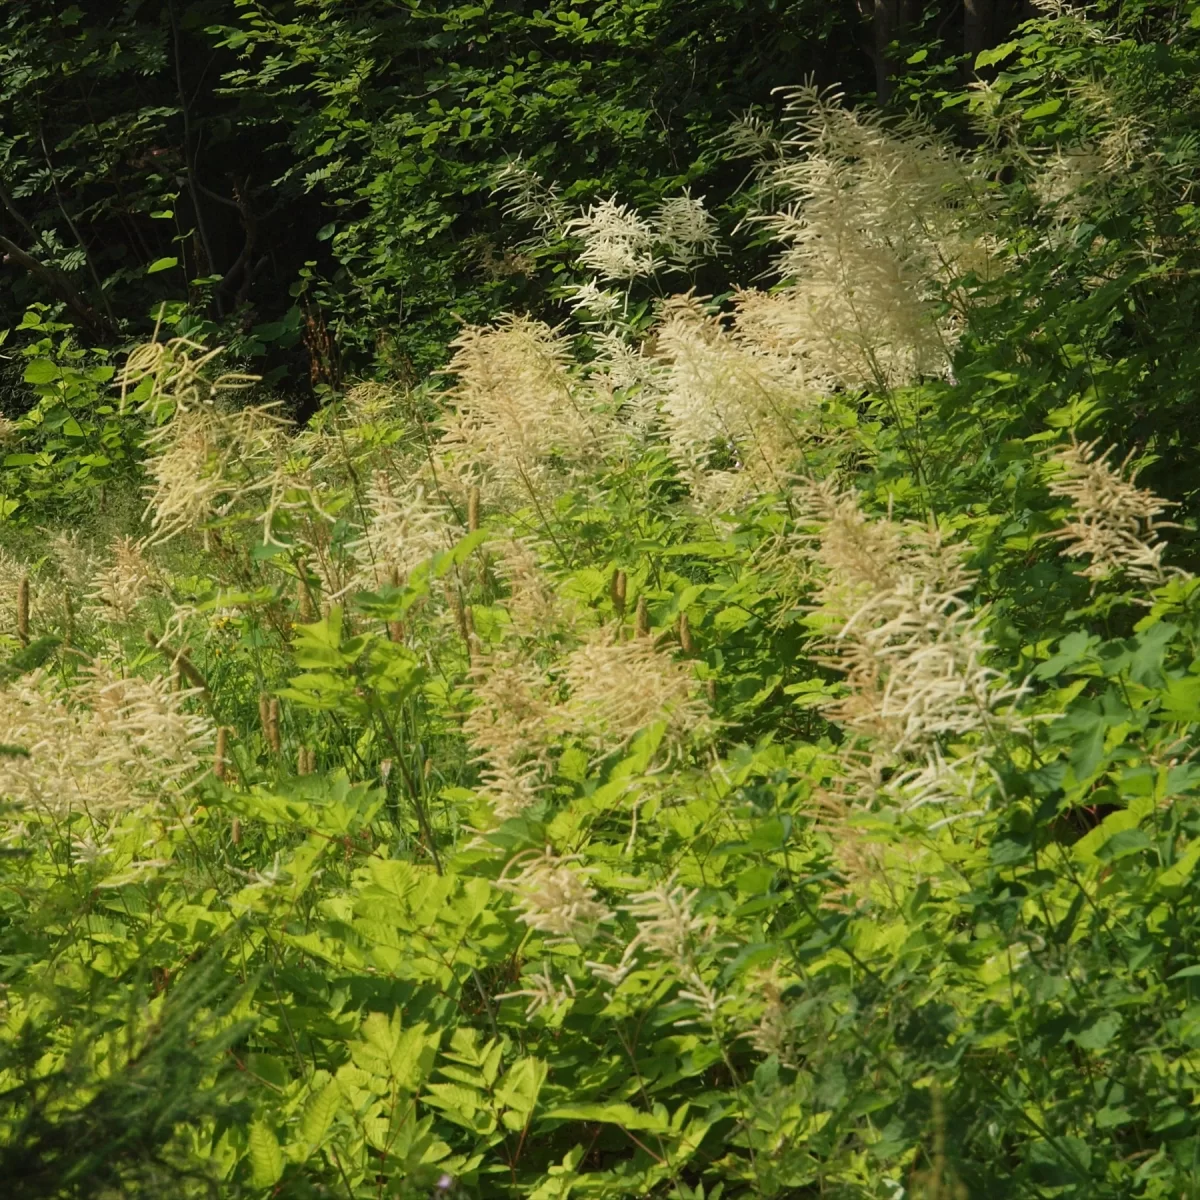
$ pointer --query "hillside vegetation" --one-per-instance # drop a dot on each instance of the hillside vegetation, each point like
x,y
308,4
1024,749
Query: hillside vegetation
x,y
722,734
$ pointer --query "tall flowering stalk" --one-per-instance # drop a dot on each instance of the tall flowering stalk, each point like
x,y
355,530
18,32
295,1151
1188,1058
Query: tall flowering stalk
x,y
1115,524
922,704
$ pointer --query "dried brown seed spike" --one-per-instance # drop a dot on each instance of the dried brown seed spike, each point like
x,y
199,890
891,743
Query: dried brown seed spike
x,y
685,635
273,737
220,763
617,591
642,620
235,830
473,510
188,670
710,690
23,609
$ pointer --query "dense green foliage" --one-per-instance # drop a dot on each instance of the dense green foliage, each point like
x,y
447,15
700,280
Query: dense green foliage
x,y
325,168
736,746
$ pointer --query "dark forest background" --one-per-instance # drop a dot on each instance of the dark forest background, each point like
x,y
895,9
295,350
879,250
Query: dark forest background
x,y
312,179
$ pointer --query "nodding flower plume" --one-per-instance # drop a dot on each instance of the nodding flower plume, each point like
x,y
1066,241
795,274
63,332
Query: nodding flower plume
x,y
554,896
913,655
530,199
204,463
403,529
174,375
732,413
508,728
542,992
671,934
877,223
534,605
773,1033
369,402
515,406
686,231
622,364
106,745
618,244
1115,523
118,587
618,687
600,304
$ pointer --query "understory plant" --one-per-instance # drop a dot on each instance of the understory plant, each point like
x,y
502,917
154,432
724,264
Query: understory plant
x,y
626,764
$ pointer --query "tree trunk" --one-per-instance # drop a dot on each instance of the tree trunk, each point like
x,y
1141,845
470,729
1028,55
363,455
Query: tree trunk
x,y
891,20
81,313
979,19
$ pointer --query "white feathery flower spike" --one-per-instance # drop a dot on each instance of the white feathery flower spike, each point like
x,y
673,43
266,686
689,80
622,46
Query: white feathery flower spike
x,y
686,231
671,934
108,744
118,587
404,529
877,224
517,421
508,729
543,992
618,244
913,655
619,687
733,413
1115,523
554,896
599,303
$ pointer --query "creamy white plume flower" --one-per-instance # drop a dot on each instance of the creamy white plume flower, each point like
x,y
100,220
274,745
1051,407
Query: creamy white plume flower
x,y
204,463
772,1033
535,605
685,231
105,745
543,992
404,529
118,587
74,558
174,374
530,199
1115,524
914,656
599,303
618,244
1062,182
670,934
509,729
516,407
733,413
370,402
626,366
554,896
619,686
753,137
876,223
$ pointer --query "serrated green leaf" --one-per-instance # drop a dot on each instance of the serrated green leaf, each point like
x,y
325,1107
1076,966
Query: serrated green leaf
x,y
319,1111
266,1157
